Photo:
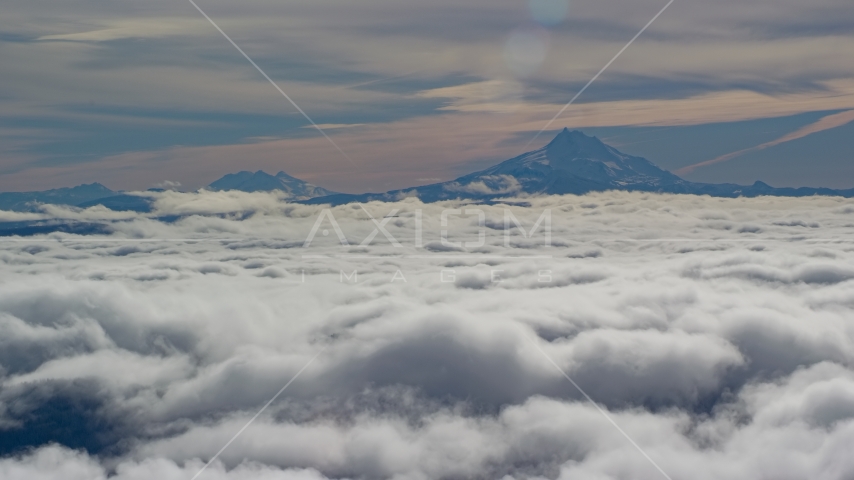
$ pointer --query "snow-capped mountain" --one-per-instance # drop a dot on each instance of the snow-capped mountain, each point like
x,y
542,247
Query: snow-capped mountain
x,y
572,163
260,181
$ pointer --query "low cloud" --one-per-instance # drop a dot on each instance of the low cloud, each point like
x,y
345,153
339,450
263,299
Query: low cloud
x,y
713,331
490,184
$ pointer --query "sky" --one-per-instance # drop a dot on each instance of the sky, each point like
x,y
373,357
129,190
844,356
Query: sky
x,y
134,94
715,333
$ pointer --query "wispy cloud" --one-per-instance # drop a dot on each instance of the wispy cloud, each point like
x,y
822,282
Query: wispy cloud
x,y
826,123
399,152
333,126
438,66
153,27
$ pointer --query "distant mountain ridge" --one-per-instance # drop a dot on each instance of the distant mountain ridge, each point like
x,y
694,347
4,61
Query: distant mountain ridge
x,y
29,201
93,194
261,181
572,163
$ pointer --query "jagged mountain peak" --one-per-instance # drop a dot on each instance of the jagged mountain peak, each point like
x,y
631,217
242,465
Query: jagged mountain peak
x,y
575,163
575,142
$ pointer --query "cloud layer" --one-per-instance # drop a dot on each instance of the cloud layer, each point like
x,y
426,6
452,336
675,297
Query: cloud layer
x,y
715,332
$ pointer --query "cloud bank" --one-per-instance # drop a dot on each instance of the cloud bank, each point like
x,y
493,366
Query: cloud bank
x,y
715,332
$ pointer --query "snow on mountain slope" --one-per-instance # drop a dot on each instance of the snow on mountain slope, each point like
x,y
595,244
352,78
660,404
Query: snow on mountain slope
x,y
264,182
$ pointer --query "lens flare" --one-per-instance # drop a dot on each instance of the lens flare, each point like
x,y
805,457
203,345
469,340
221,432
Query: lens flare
x,y
526,50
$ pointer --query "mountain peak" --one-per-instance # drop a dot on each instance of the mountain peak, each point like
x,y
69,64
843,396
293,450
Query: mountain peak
x,y
572,135
574,143
571,163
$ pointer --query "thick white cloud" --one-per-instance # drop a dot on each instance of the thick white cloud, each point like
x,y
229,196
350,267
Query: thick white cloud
x,y
715,332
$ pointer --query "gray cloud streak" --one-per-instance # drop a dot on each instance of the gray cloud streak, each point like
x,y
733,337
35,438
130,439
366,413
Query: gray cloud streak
x,y
826,123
